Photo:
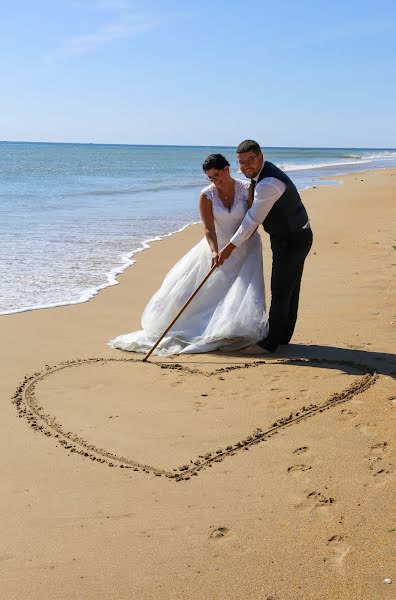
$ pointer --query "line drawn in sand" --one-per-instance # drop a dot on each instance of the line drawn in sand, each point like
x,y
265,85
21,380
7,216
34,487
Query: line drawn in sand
x,y
28,407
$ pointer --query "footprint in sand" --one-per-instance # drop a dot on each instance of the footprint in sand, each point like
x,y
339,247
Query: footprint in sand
x,y
366,428
338,550
379,449
219,532
297,469
384,473
375,458
300,450
319,499
346,414
315,500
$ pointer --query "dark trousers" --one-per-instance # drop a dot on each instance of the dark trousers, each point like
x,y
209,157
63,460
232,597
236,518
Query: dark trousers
x,y
288,255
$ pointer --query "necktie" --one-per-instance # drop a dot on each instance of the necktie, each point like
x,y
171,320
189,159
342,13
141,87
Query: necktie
x,y
251,193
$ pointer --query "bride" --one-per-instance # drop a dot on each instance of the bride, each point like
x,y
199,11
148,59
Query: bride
x,y
228,313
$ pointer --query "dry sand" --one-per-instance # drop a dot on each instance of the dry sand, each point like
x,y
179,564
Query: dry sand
x,y
210,476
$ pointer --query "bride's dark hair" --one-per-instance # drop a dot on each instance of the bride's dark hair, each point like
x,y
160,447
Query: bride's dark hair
x,y
215,161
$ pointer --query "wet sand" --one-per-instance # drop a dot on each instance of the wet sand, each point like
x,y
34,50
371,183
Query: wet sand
x,y
210,476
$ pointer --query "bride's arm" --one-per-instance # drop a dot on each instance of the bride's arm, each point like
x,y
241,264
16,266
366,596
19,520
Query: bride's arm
x,y
205,208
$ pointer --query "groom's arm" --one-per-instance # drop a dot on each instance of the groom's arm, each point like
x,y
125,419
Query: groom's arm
x,y
267,192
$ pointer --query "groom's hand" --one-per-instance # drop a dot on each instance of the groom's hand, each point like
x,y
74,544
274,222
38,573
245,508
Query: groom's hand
x,y
225,253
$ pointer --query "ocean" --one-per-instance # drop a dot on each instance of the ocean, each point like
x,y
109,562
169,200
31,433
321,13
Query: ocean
x,y
73,216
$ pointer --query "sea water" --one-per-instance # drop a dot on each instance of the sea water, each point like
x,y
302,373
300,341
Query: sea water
x,y
72,216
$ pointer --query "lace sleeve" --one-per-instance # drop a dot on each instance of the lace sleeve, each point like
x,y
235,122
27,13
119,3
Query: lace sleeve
x,y
209,191
244,185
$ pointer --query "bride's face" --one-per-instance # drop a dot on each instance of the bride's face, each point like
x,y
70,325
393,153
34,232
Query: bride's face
x,y
218,176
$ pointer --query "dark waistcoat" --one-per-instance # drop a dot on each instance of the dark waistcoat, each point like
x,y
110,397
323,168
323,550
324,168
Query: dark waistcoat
x,y
288,213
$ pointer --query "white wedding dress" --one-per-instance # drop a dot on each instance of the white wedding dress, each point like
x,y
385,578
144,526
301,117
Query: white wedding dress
x,y
228,313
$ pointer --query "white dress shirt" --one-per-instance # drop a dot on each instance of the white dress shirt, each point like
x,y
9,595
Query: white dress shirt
x,y
266,193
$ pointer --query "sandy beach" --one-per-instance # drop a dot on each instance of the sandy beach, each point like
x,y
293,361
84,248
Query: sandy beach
x,y
210,476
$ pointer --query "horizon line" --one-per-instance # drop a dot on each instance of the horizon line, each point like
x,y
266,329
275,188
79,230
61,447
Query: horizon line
x,y
193,145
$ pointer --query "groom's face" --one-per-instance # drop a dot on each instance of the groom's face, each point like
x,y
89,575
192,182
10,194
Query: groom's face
x,y
250,163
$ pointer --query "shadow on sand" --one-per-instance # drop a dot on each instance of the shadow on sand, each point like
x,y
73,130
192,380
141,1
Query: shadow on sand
x,y
346,359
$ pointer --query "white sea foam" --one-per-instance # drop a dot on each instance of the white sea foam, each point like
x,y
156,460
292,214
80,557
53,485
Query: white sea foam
x,y
350,159
381,155
309,166
111,276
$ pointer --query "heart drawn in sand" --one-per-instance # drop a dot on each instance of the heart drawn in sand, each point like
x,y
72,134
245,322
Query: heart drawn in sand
x,y
172,421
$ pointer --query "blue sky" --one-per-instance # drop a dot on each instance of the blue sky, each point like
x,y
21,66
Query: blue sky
x,y
294,73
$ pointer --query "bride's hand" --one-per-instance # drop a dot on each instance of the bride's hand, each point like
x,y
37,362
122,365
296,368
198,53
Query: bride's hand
x,y
215,258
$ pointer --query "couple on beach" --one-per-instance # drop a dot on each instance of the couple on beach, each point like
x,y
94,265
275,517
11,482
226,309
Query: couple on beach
x,y
229,312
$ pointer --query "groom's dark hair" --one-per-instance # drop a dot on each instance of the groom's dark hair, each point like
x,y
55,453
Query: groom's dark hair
x,y
215,161
249,146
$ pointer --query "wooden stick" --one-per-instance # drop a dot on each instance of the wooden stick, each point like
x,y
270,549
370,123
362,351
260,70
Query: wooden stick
x,y
179,313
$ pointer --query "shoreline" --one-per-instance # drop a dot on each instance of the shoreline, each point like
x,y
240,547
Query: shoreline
x,y
89,294
126,260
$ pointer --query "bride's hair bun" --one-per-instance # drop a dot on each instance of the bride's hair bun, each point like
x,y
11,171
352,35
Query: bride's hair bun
x,y
215,161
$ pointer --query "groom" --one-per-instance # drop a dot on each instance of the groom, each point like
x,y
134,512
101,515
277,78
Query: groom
x,y
277,205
